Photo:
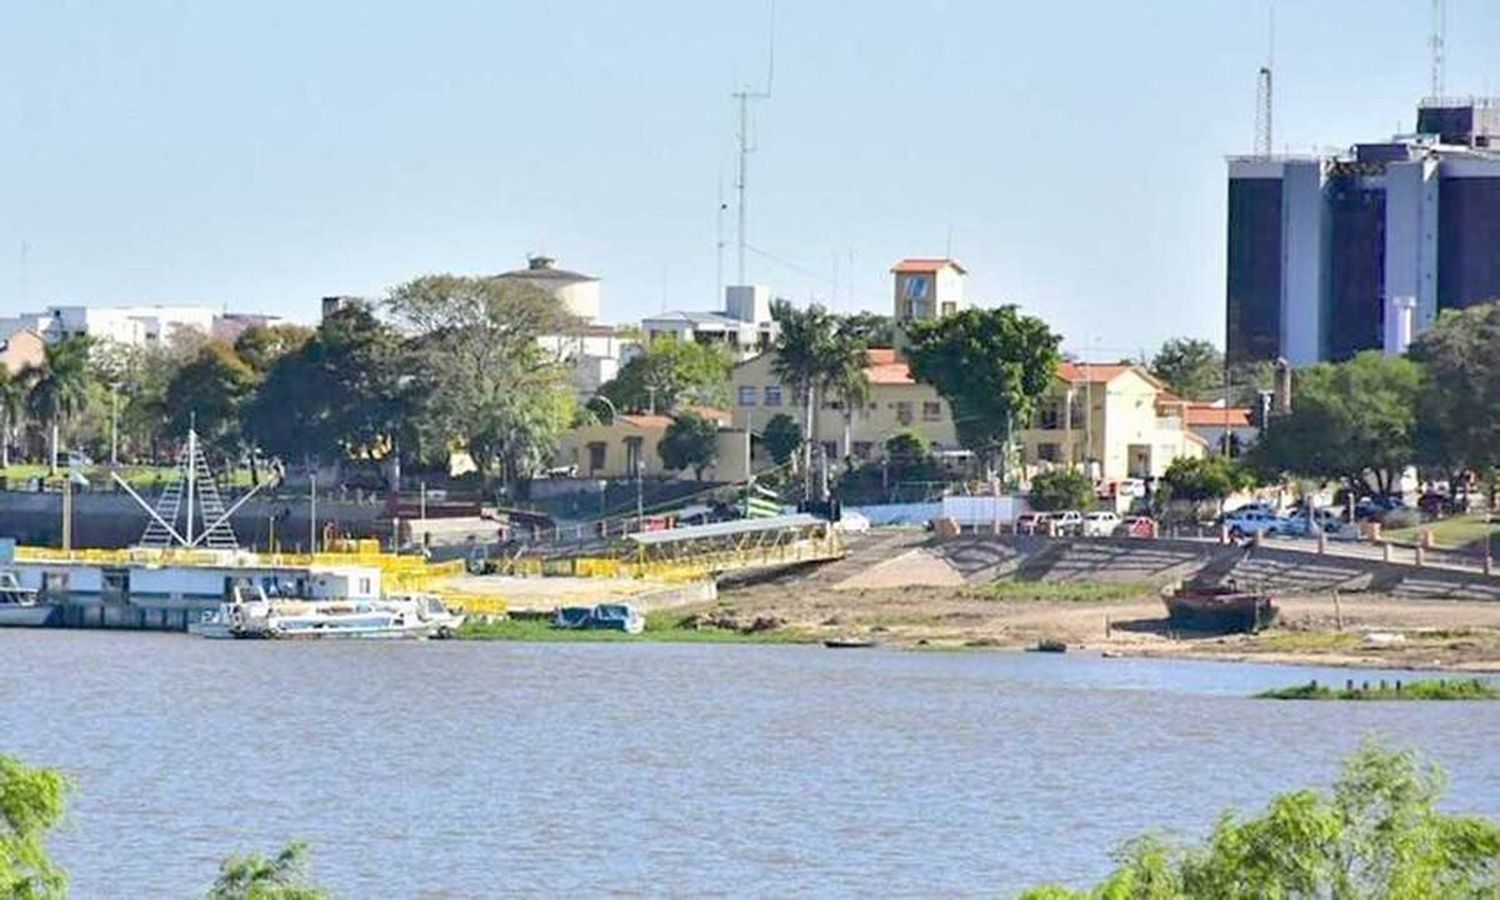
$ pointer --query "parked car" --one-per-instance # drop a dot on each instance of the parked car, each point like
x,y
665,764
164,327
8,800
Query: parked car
x,y
1368,508
1136,527
1031,522
1245,522
1069,521
1100,523
1437,505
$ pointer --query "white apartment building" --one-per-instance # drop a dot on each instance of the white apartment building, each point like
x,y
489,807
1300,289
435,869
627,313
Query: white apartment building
x,y
134,326
744,325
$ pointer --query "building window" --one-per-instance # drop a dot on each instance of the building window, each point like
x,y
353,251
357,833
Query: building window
x,y
596,456
747,395
773,395
904,412
932,411
949,308
633,454
830,450
1046,452
863,449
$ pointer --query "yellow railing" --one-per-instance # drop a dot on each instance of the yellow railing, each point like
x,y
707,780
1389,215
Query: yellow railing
x,y
475,604
689,568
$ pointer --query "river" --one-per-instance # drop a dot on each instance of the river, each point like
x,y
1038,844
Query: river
x,y
453,769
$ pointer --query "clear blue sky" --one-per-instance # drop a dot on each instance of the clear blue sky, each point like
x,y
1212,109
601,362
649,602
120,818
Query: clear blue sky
x,y
261,155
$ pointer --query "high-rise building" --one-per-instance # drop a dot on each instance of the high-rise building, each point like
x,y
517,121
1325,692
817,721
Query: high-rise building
x,y
1331,255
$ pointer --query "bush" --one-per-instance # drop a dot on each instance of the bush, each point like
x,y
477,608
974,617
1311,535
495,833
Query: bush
x,y
782,437
1401,518
1061,489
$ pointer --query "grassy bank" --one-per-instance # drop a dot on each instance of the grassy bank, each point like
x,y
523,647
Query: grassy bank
x,y
146,478
1064,591
660,628
1466,532
1428,689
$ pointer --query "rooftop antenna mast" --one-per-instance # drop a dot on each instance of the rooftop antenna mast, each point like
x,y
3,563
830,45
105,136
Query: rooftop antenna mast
x,y
1435,43
744,96
1264,125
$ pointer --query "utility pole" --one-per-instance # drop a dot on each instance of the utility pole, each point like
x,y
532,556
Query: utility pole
x,y
312,525
744,96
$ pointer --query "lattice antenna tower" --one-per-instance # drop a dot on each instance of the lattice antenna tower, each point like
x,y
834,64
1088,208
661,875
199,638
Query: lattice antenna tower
x,y
1435,45
746,145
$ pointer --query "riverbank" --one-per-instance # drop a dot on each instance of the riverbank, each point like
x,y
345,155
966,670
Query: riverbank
x,y
1359,630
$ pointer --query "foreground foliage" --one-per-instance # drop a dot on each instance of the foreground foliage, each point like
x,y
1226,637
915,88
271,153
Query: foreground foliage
x,y
1377,835
256,877
31,803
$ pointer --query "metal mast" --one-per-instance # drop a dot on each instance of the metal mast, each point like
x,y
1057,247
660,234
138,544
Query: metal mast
x,y
744,97
1435,44
1263,107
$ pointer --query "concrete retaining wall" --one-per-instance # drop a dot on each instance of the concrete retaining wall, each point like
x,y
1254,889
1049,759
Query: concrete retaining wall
x,y
988,557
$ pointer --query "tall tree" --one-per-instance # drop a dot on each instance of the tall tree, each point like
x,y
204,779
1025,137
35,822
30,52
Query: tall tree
x,y
1458,414
1191,367
486,379
991,365
670,372
262,345
872,329
212,391
12,408
58,389
805,353
256,877
31,804
845,382
1353,421
690,442
782,437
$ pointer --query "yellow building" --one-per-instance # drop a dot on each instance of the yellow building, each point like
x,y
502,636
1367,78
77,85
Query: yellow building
x,y
1113,421
614,449
897,404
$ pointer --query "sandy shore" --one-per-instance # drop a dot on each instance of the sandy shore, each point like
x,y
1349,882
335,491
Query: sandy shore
x,y
1436,634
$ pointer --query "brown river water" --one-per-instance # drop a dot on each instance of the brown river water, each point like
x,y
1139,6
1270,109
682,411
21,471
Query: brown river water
x,y
452,769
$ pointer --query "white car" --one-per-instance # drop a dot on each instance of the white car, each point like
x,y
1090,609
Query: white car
x,y
1068,521
1100,524
1244,522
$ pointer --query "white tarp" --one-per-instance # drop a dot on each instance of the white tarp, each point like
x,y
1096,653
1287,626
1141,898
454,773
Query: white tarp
x,y
982,510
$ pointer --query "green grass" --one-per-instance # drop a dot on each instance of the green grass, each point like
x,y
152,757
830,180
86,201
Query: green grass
x,y
1308,641
1428,689
1068,591
660,628
139,477
1457,532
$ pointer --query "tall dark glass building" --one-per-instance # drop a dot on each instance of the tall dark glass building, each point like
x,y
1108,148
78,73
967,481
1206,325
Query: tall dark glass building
x,y
1331,255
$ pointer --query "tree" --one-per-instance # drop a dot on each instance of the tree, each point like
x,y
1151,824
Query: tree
x,y
256,877
845,381
871,329
1061,489
690,442
805,351
58,389
991,365
907,456
1192,368
12,408
262,345
1378,834
1457,427
484,376
1353,421
782,436
670,372
1209,478
31,804
212,392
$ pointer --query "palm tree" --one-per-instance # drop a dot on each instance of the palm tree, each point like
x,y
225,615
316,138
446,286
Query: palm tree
x,y
846,382
12,407
804,349
58,389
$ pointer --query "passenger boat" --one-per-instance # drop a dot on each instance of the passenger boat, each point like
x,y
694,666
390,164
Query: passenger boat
x,y
20,605
251,614
1219,609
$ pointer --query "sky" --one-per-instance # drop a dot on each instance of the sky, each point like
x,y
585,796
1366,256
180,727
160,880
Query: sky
x,y
259,156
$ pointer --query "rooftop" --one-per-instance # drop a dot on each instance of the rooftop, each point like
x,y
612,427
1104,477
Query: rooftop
x,y
885,367
696,317
1201,415
927,264
542,268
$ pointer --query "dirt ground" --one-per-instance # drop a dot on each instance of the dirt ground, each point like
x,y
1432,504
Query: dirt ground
x,y
1364,630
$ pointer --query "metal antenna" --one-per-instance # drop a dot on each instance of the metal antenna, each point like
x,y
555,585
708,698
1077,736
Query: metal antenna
x,y
1264,126
719,236
1435,43
744,97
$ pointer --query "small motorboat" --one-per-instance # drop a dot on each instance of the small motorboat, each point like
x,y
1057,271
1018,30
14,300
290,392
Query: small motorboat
x,y
251,614
848,643
604,617
21,606
1218,609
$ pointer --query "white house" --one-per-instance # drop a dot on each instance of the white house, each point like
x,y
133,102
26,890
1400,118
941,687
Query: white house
x,y
744,325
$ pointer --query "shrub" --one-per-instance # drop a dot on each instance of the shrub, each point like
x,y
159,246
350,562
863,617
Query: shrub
x,y
1061,489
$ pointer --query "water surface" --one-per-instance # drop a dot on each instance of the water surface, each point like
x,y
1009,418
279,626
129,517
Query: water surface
x,y
452,769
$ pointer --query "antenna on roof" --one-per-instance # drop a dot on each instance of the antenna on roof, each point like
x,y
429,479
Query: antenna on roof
x,y
1264,125
1435,44
744,96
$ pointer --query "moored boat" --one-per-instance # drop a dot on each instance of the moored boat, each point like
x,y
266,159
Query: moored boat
x,y
21,606
1219,609
251,614
604,617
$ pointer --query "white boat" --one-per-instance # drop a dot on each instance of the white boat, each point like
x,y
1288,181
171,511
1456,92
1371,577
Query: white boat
x,y
258,616
20,606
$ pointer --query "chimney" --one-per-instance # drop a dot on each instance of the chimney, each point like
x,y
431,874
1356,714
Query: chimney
x,y
539,262
1282,402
